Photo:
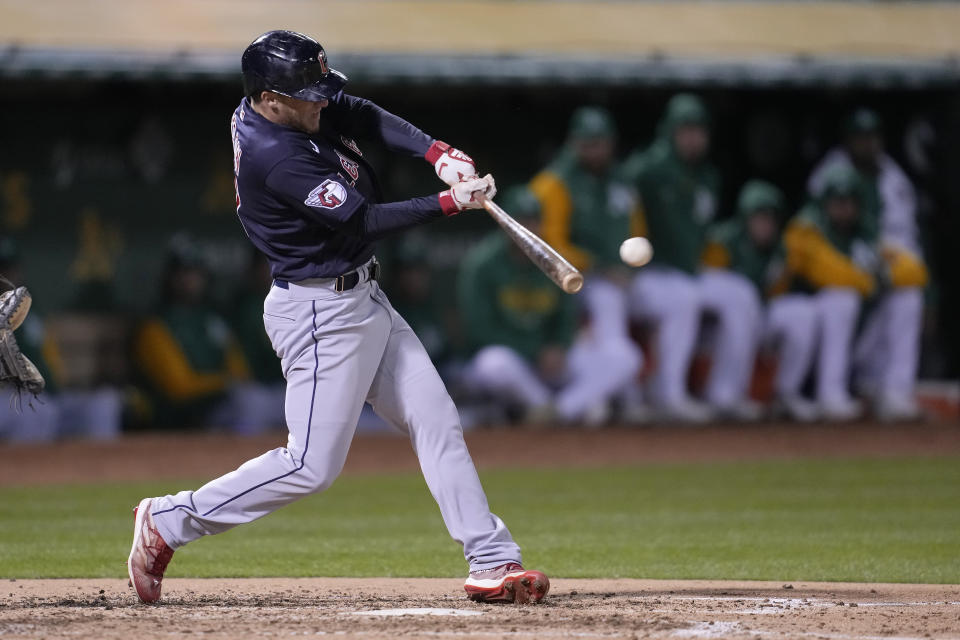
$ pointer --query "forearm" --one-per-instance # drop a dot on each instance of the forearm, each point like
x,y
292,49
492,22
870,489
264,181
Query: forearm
x,y
375,221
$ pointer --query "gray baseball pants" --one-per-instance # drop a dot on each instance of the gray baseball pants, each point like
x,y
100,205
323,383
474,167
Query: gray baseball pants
x,y
339,350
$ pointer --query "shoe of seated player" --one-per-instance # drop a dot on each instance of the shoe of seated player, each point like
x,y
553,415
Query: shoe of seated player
x,y
899,408
149,555
743,411
840,409
796,408
507,583
685,411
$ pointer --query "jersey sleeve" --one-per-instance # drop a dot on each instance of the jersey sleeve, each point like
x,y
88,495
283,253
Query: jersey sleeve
x,y
717,246
906,268
323,195
556,208
811,256
361,118
166,365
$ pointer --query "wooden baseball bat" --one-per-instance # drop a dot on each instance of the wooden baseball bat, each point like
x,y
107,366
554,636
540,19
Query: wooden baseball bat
x,y
564,274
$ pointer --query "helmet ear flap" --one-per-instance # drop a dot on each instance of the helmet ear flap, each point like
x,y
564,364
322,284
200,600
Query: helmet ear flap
x,y
252,85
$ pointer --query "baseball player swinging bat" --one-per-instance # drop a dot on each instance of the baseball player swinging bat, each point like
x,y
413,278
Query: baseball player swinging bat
x,y
564,274
308,199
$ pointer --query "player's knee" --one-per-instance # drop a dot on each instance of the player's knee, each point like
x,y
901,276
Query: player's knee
x,y
629,360
839,302
652,295
317,478
738,298
619,359
495,363
801,328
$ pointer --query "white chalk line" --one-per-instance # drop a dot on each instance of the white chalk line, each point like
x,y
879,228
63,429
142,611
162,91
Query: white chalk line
x,y
418,611
724,629
809,601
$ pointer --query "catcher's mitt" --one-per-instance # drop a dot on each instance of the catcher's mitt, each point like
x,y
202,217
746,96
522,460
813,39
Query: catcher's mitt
x,y
15,368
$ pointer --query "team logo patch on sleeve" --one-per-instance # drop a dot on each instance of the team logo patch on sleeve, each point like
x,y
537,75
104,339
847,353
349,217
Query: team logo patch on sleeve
x,y
349,165
329,195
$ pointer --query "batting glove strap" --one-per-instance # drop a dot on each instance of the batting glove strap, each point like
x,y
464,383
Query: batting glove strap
x,y
448,204
437,149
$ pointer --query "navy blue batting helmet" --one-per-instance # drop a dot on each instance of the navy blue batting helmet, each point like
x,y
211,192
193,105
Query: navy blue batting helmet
x,y
291,64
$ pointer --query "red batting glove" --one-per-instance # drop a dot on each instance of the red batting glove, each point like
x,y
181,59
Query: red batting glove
x,y
451,165
463,194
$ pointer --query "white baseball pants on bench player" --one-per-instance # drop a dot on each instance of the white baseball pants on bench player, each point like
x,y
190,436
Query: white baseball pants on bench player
x,y
596,371
674,301
887,352
339,350
793,324
838,309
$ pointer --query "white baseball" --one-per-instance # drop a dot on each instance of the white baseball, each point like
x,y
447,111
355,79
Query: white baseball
x,y
636,252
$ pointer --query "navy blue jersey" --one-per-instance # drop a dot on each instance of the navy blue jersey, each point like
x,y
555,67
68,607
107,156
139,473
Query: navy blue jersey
x,y
310,202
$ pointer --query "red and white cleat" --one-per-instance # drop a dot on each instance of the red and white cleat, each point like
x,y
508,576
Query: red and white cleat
x,y
149,555
507,583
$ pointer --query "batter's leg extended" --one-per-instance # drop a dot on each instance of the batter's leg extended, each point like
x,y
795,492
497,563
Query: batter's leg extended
x,y
330,348
409,394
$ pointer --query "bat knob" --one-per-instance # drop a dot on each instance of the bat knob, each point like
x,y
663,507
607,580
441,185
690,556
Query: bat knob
x,y
572,282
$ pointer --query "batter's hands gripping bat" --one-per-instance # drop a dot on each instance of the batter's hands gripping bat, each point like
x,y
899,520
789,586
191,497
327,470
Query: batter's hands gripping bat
x,y
564,274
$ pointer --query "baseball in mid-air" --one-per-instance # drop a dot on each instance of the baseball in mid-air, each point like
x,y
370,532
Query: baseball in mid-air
x,y
636,252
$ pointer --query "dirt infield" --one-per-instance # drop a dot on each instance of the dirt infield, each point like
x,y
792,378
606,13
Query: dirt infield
x,y
207,455
436,608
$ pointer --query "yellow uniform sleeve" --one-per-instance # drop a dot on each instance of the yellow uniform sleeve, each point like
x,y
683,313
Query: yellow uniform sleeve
x,y
715,255
556,210
811,256
237,365
906,269
779,286
164,363
50,351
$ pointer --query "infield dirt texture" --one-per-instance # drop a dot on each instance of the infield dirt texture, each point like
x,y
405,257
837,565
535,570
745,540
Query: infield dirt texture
x,y
435,607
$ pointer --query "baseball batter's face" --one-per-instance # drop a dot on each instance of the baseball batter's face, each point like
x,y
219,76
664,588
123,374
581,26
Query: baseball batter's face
x,y
291,112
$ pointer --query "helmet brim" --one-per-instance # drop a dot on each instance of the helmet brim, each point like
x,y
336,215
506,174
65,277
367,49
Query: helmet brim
x,y
324,89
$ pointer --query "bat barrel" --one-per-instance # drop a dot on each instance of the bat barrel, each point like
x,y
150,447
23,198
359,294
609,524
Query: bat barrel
x,y
555,266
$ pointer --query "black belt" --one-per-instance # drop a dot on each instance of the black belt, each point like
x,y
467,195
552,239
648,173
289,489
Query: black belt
x,y
345,282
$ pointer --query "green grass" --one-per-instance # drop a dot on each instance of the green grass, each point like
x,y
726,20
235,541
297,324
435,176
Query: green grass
x,y
857,520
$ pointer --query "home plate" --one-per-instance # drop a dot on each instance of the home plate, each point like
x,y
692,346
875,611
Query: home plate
x,y
423,611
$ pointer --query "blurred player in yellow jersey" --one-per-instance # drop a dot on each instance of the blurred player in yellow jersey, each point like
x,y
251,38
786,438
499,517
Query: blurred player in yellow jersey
x,y
679,187
190,356
749,246
887,350
587,212
832,250
524,332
